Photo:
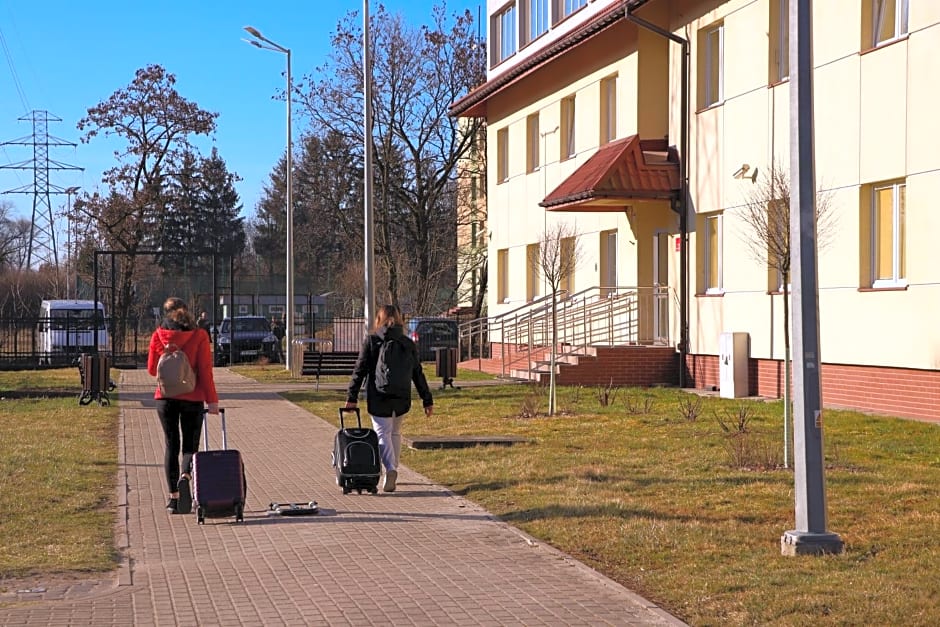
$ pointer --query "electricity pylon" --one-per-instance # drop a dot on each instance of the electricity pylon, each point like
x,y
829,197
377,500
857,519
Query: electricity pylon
x,y
42,247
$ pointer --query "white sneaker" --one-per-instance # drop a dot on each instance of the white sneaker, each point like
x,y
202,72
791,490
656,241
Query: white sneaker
x,y
390,477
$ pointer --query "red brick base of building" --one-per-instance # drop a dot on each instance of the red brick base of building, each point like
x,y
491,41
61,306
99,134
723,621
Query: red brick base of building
x,y
904,392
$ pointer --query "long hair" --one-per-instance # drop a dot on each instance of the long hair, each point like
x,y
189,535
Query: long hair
x,y
176,310
388,316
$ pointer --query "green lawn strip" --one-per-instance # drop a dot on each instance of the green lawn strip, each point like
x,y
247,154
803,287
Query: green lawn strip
x,y
58,467
654,500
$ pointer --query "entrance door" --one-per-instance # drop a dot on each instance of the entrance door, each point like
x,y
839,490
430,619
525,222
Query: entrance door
x,y
661,288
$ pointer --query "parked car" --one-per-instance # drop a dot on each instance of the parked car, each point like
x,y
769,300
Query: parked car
x,y
431,333
250,340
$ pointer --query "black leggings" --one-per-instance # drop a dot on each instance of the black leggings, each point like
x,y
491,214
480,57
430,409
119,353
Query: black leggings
x,y
178,416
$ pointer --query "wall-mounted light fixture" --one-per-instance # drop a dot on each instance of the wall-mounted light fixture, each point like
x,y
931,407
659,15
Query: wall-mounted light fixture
x,y
745,172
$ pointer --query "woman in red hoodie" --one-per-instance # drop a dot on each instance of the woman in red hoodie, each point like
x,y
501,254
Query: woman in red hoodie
x,y
182,414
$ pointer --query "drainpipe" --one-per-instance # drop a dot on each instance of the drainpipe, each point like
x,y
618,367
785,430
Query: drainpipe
x,y
681,203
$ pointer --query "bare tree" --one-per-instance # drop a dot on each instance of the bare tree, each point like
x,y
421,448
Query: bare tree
x,y
14,238
555,259
417,73
766,212
155,122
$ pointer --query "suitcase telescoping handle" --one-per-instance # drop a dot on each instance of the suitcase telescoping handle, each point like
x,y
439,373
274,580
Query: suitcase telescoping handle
x,y
205,429
343,410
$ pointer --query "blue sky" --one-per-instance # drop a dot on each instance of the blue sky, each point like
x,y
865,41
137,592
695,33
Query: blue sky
x,y
64,56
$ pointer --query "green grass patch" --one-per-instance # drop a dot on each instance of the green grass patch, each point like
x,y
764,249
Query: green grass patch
x,y
58,467
687,507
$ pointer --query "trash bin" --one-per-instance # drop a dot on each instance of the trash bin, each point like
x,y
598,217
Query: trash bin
x,y
445,361
95,370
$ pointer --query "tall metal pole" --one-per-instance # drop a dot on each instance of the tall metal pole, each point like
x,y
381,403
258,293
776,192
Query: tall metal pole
x,y
68,240
289,175
369,306
810,535
289,306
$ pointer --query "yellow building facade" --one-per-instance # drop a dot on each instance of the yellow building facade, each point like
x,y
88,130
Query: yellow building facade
x,y
592,121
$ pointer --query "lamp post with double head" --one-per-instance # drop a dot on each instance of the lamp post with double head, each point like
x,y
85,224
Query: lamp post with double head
x,y
260,41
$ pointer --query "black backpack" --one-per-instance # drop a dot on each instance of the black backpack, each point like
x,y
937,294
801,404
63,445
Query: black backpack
x,y
393,369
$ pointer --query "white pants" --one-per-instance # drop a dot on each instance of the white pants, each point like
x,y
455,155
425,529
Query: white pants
x,y
389,432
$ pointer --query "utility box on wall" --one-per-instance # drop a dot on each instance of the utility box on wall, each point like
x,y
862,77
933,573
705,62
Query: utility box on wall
x,y
733,354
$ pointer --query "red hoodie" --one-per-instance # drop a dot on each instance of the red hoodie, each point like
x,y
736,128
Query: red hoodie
x,y
195,344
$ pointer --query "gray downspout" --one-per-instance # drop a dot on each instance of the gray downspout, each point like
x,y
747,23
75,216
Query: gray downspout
x,y
683,199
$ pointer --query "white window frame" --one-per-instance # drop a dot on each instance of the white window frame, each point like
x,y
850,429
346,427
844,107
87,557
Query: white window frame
x,y
898,204
535,16
712,67
503,29
564,8
900,26
714,285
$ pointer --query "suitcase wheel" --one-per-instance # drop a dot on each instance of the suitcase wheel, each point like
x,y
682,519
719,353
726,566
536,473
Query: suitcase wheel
x,y
239,513
201,515
374,490
345,490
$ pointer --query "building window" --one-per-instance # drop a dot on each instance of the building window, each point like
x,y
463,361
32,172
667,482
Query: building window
x,y
535,16
779,41
502,275
608,265
502,155
608,109
564,8
888,20
887,235
713,247
711,52
532,274
568,261
567,128
532,142
503,34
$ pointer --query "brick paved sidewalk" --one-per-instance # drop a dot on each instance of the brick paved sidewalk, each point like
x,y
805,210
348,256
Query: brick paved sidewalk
x,y
419,556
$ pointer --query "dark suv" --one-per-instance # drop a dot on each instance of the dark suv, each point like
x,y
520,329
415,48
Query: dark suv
x,y
431,333
250,340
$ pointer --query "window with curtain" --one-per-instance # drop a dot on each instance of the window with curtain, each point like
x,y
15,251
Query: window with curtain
x,y
502,275
567,128
779,40
502,155
711,61
532,142
713,244
889,20
608,111
887,227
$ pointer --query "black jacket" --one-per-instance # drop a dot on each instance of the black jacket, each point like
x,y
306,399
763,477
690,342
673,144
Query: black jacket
x,y
379,404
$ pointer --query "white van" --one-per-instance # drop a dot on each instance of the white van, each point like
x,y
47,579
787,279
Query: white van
x,y
68,328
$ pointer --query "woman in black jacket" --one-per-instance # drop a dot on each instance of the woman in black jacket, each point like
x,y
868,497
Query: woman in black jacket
x,y
388,408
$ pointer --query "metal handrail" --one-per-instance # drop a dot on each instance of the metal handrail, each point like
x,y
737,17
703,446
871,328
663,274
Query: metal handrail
x,y
599,315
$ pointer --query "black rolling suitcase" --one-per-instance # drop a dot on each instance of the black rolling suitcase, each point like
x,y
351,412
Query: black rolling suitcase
x,y
218,479
356,456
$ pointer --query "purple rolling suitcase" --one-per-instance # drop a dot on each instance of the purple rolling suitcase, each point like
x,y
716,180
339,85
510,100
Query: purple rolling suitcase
x,y
218,479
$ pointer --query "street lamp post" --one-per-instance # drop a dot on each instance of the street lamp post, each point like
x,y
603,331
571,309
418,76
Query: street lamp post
x,y
69,191
260,41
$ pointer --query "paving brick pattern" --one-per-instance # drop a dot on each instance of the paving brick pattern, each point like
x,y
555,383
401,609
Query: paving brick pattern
x,y
419,556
